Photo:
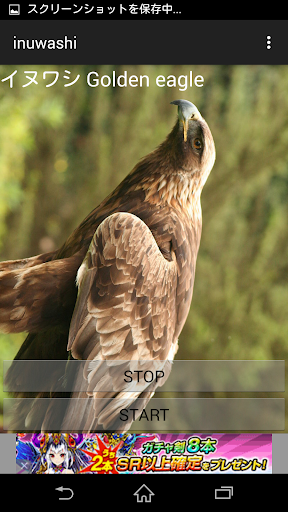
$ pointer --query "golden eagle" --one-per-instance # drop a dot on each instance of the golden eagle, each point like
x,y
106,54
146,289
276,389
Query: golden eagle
x,y
120,288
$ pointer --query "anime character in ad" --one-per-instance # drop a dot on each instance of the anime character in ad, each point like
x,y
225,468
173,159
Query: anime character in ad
x,y
52,453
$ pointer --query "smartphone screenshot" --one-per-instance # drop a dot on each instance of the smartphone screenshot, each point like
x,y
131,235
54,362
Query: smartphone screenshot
x,y
143,253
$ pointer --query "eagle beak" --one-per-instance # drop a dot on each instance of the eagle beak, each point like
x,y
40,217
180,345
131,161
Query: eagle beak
x,y
185,127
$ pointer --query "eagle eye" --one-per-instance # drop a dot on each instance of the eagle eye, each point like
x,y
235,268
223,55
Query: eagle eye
x,y
197,144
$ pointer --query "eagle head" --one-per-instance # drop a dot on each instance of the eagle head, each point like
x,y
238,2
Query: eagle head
x,y
186,112
192,143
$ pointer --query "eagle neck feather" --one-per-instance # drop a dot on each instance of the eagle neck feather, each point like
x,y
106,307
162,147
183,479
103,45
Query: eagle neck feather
x,y
164,183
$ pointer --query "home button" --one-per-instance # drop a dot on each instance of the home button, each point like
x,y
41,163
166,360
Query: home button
x,y
143,494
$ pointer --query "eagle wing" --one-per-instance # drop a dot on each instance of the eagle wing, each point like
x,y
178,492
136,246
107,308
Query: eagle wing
x,y
36,293
125,316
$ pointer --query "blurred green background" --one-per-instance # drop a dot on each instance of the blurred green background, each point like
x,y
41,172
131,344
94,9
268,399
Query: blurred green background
x,y
63,149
